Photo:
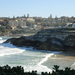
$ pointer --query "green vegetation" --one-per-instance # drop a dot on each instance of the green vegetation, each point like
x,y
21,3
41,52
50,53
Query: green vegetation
x,y
14,25
3,30
7,70
67,29
71,36
19,26
23,31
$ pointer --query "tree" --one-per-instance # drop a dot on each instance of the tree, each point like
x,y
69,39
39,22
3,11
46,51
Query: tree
x,y
14,18
27,15
19,26
8,27
24,16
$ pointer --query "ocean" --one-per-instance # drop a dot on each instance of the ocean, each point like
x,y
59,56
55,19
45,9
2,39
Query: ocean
x,y
30,59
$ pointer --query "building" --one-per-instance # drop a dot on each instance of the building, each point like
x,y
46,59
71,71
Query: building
x,y
30,19
22,23
73,25
68,25
15,23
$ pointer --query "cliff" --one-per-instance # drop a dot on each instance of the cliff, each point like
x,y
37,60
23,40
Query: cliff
x,y
49,39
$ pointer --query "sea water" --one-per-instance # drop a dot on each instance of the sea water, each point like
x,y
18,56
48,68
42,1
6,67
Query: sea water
x,y
29,58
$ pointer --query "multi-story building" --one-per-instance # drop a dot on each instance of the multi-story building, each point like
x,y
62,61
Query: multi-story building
x,y
15,23
22,23
30,19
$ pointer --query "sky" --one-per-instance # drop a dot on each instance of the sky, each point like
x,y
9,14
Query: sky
x,y
37,8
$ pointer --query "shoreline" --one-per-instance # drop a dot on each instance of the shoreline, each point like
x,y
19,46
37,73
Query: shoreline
x,y
63,60
68,53
15,35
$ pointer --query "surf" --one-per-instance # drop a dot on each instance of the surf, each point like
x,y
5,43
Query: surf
x,y
29,58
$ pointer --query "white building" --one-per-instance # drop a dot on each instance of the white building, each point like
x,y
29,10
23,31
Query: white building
x,y
30,19
69,25
73,25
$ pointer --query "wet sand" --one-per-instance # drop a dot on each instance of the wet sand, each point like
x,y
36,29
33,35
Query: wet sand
x,y
63,60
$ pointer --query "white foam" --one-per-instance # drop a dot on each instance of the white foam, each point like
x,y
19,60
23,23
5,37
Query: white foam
x,y
9,49
45,59
47,56
1,41
0,38
38,68
73,64
43,68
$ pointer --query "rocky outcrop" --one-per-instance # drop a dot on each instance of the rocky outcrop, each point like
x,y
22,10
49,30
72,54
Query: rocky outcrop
x,y
45,40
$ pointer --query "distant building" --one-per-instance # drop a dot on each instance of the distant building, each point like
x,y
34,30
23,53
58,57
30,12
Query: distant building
x,y
73,25
22,23
30,19
15,23
34,26
69,25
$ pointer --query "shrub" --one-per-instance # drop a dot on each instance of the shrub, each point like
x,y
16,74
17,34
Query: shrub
x,y
7,70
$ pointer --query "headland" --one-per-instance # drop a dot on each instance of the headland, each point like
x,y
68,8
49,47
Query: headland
x,y
48,39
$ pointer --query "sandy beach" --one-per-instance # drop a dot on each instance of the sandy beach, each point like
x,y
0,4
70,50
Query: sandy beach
x,y
63,60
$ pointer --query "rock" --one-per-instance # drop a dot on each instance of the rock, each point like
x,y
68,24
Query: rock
x,y
52,43
56,47
44,46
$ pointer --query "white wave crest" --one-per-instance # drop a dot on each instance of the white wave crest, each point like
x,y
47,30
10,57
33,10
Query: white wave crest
x,y
38,68
0,38
1,41
9,49
45,59
73,64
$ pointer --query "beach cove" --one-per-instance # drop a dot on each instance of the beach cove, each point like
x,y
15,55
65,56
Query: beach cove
x,y
57,47
33,59
62,59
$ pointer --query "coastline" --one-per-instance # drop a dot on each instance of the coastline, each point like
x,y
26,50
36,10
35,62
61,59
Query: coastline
x,y
15,35
64,59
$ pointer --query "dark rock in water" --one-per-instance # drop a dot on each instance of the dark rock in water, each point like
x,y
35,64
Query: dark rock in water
x,y
51,45
44,46
23,42
56,47
54,41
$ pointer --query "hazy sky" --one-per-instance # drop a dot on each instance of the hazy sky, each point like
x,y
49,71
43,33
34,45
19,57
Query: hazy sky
x,y
39,8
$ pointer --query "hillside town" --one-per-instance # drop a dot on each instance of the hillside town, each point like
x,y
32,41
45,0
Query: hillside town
x,y
33,24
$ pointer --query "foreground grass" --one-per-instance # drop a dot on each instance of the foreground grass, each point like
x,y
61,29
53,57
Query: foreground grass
x,y
7,70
